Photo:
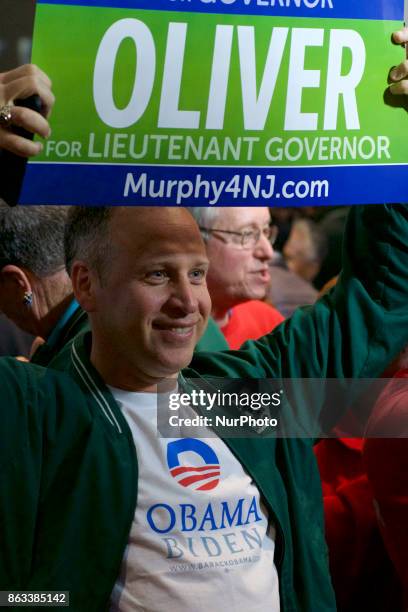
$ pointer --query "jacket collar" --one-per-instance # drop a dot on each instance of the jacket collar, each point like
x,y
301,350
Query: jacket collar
x,y
65,323
92,384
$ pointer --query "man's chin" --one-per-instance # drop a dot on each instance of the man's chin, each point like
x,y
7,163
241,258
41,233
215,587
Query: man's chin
x,y
257,293
172,367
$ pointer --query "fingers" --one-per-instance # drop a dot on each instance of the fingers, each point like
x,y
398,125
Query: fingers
x,y
400,88
23,82
400,37
24,87
19,145
399,74
19,84
31,121
28,70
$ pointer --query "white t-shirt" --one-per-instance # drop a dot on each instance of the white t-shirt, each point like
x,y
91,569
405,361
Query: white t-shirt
x,y
200,539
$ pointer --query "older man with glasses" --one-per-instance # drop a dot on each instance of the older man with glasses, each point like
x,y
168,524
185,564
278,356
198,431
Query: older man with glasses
x,y
239,243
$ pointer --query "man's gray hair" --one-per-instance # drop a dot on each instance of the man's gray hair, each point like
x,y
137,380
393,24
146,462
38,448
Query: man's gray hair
x,y
32,237
205,217
87,237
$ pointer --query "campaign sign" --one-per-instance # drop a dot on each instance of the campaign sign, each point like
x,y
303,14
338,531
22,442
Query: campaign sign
x,y
220,102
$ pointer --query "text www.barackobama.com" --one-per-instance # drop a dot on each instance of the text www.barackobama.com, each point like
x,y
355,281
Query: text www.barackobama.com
x,y
239,187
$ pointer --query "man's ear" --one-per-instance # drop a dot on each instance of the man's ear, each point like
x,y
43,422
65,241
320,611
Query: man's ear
x,y
16,281
84,283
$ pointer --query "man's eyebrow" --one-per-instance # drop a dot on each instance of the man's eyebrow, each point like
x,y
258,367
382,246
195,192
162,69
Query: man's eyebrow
x,y
200,262
169,260
252,225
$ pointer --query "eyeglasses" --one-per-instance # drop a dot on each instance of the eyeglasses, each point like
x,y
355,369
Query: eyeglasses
x,y
246,239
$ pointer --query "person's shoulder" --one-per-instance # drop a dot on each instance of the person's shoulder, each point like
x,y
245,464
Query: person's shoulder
x,y
28,371
22,374
259,309
39,399
34,384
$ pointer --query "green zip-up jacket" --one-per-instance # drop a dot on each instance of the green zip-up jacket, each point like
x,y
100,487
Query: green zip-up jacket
x,y
68,486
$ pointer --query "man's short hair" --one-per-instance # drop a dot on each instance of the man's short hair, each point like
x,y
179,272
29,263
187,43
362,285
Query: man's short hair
x,y
32,237
205,217
87,237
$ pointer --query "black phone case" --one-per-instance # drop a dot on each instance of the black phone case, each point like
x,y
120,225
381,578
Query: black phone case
x,y
12,167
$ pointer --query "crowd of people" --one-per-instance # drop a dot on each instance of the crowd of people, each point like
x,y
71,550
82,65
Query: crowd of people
x,y
93,501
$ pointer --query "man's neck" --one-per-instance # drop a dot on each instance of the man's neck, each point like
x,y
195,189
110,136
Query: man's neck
x,y
115,373
221,316
53,315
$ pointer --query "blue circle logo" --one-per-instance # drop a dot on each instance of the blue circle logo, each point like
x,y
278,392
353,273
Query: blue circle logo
x,y
200,475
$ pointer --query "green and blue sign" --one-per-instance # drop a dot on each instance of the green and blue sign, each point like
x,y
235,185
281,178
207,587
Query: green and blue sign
x,y
219,102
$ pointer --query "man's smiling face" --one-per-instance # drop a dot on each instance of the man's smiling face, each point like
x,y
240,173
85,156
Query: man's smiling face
x,y
151,305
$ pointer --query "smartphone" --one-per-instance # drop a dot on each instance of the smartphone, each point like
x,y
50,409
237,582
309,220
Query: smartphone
x,y
12,167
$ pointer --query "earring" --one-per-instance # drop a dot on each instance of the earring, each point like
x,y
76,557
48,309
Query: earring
x,y
28,299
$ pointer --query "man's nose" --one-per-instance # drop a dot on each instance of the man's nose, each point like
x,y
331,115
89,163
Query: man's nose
x,y
183,296
263,248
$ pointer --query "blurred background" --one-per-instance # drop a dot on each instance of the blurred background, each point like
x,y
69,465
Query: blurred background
x,y
16,26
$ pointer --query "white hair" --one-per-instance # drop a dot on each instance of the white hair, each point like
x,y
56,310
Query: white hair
x,y
205,217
